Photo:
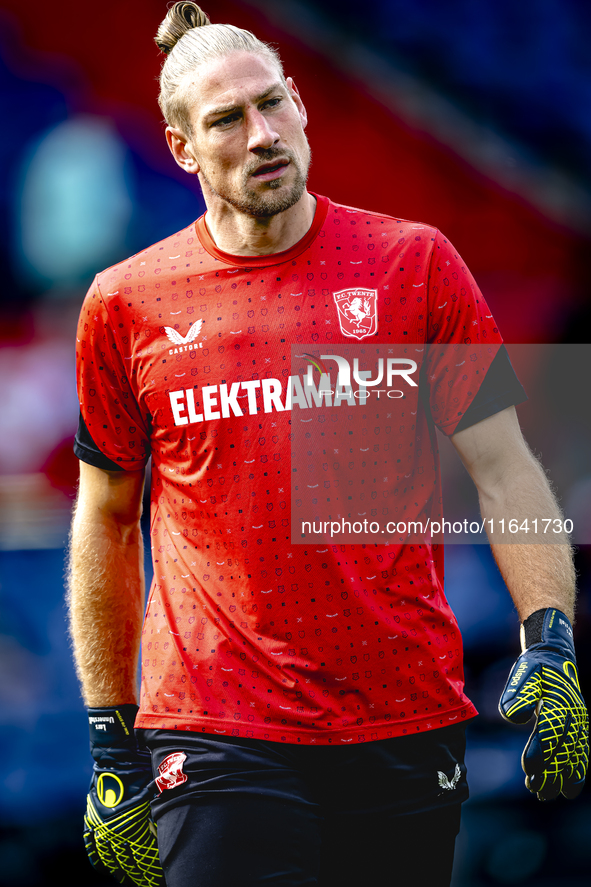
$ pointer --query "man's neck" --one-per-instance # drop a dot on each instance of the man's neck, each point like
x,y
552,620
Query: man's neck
x,y
235,233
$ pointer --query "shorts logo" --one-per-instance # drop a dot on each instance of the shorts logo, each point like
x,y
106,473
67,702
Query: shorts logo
x,y
171,771
358,312
449,784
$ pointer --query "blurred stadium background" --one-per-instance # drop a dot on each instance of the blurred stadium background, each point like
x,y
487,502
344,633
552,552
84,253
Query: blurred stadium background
x,y
472,115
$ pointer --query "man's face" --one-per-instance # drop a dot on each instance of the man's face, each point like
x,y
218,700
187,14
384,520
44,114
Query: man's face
x,y
248,134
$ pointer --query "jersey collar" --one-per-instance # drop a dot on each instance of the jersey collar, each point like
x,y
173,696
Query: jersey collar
x,y
274,258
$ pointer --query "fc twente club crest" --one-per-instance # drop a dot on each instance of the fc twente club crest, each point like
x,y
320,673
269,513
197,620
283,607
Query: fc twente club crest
x,y
358,312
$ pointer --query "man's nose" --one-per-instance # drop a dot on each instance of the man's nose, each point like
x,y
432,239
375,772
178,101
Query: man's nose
x,y
261,134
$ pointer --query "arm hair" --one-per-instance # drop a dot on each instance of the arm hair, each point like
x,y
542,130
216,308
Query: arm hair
x,y
106,584
512,484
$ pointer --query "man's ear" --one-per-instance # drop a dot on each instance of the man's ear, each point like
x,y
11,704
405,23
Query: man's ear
x,y
293,91
181,150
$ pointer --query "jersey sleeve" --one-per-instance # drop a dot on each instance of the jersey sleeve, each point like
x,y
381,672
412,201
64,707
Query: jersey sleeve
x,y
112,433
464,349
500,389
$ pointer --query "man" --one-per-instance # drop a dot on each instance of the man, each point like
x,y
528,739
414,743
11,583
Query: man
x,y
303,704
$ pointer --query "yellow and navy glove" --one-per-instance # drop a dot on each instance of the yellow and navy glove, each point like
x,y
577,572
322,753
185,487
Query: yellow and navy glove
x,y
544,682
119,833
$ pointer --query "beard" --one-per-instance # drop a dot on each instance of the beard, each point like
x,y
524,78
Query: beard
x,y
268,203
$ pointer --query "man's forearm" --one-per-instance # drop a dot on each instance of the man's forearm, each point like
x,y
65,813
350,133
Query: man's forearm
x,y
537,573
106,607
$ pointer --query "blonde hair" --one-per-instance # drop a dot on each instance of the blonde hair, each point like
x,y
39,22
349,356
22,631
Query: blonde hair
x,y
189,39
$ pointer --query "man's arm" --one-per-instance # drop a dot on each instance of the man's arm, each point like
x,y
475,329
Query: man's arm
x,y
541,579
107,584
511,485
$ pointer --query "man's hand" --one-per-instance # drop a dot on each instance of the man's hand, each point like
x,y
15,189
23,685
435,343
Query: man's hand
x,y
544,682
119,834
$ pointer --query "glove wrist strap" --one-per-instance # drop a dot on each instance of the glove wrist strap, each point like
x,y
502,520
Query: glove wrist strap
x,y
532,629
548,625
112,726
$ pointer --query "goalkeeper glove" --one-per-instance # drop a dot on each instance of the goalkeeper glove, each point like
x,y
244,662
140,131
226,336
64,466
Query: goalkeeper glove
x,y
119,834
544,682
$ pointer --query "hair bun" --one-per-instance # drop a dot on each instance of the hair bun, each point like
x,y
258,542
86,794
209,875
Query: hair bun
x,y
181,17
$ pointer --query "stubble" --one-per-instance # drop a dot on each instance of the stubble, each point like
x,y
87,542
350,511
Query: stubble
x,y
266,203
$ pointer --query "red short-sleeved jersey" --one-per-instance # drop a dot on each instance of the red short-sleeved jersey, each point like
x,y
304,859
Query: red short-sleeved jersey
x,y
184,352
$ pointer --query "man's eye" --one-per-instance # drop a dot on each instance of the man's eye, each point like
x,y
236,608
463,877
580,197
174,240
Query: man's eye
x,y
223,121
271,103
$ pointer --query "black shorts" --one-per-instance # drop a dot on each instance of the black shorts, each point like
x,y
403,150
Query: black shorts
x,y
243,812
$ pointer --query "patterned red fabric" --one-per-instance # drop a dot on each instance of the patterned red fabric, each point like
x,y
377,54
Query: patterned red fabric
x,y
184,352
